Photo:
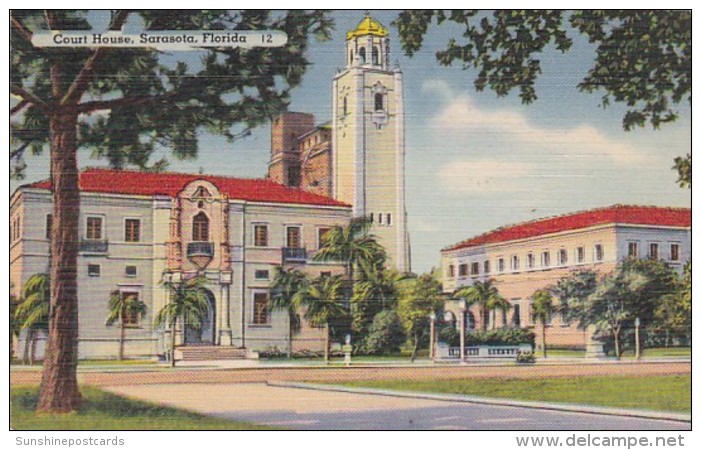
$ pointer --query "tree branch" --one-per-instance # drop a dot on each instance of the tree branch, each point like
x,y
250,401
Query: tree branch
x,y
97,105
21,29
18,107
27,96
17,153
79,85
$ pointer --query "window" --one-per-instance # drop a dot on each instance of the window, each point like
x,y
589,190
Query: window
x,y
345,105
598,252
93,270
515,263
293,176
632,249
260,308
130,318
462,270
562,257
654,251
375,55
294,237
379,218
379,102
451,271
351,57
321,232
486,267
260,238
130,271
516,317
475,269
361,55
372,217
202,192
580,254
200,227
389,219
500,265
132,230
325,274
49,223
674,252
262,274
545,259
530,261
94,228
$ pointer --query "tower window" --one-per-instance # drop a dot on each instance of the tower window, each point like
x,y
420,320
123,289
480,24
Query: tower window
x,y
200,228
379,102
379,218
345,105
351,57
389,219
361,55
375,56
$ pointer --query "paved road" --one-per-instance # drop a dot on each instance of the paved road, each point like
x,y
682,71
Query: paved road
x,y
323,374
322,410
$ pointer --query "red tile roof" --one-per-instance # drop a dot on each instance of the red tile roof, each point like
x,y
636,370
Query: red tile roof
x,y
616,214
132,182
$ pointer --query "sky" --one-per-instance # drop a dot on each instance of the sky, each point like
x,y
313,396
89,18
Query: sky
x,y
475,162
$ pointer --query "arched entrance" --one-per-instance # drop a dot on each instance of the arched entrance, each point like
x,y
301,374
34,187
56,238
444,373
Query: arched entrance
x,y
205,334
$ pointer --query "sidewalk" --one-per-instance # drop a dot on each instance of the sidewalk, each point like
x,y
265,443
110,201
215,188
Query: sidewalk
x,y
569,407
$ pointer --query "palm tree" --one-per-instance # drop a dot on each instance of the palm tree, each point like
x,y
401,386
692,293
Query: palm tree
x,y
33,311
483,294
188,299
351,245
375,290
323,300
498,303
542,311
284,286
121,307
15,324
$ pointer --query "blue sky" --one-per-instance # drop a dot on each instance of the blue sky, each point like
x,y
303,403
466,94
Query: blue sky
x,y
475,161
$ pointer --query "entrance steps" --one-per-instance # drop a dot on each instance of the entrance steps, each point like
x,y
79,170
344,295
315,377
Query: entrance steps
x,y
210,353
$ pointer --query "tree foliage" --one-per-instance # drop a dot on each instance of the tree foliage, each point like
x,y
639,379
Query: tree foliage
x,y
484,295
134,101
643,57
120,307
385,334
418,298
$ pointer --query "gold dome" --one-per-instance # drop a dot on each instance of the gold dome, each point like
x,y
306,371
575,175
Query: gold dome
x,y
368,26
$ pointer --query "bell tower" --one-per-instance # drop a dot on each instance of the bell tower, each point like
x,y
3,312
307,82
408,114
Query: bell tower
x,y
368,138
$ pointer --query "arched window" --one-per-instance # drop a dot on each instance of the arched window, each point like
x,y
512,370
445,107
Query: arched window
x,y
361,54
375,55
200,228
379,102
351,57
345,105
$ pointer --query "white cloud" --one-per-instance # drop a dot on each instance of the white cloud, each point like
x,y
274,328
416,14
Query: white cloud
x,y
462,119
484,175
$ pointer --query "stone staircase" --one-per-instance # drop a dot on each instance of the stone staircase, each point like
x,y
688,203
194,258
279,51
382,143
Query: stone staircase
x,y
210,353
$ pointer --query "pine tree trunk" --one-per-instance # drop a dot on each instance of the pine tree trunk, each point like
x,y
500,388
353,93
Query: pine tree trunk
x,y
59,385
617,345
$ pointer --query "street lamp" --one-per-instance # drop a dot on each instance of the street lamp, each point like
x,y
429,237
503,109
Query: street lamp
x,y
637,338
463,308
431,352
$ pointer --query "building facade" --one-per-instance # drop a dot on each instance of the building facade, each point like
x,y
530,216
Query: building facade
x,y
140,229
358,157
523,258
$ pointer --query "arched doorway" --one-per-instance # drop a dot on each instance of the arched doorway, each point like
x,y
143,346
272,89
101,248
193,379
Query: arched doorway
x,y
205,334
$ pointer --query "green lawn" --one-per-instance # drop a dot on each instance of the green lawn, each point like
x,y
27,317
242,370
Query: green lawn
x,y
676,352
105,411
661,393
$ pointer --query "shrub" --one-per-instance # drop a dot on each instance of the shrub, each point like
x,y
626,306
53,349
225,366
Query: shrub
x,y
501,336
525,357
385,335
